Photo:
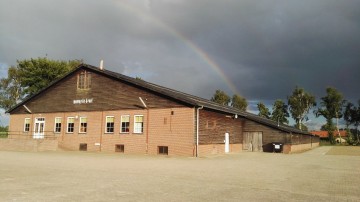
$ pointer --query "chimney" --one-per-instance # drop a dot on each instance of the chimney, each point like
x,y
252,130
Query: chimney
x,y
102,64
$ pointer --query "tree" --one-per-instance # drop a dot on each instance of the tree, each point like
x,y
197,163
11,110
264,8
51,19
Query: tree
x,y
331,107
303,127
348,113
300,102
356,120
29,77
39,73
330,128
239,102
280,112
11,91
263,110
221,97
352,116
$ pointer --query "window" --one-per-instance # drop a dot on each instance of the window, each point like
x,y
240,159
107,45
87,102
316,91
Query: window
x,y
163,150
138,123
84,80
57,125
27,125
70,124
125,123
83,125
119,148
109,124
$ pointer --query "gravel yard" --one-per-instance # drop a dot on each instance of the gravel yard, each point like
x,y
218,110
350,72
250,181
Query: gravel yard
x,y
323,174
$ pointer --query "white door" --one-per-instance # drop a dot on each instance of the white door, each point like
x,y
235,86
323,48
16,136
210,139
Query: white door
x,y
227,143
39,128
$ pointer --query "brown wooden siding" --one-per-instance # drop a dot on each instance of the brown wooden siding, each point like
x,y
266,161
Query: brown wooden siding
x,y
271,135
304,139
106,94
213,126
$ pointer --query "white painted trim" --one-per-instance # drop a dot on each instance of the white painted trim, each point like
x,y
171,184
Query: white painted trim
x,y
25,124
106,125
139,122
67,124
121,132
80,125
58,117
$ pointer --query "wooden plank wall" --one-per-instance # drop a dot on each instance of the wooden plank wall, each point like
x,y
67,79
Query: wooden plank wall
x,y
106,94
214,125
304,139
271,135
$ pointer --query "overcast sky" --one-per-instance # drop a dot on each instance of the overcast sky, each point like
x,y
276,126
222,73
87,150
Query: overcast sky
x,y
260,49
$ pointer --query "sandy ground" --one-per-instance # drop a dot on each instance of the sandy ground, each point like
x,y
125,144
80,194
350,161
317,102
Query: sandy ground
x,y
82,176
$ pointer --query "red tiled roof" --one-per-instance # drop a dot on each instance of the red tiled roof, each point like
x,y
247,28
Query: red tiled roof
x,y
323,134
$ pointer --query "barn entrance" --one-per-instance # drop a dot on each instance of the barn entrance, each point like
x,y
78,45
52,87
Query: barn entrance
x,y
253,141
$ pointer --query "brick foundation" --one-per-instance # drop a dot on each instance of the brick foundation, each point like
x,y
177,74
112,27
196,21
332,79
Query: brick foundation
x,y
288,149
212,149
28,145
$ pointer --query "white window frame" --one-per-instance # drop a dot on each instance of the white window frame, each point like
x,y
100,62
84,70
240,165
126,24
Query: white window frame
x,y
136,129
56,118
67,124
80,119
106,127
28,130
121,122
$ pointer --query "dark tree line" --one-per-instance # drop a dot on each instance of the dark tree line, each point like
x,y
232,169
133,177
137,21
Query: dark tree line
x,y
235,101
332,107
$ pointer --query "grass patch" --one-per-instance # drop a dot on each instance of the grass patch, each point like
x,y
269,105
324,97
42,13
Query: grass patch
x,y
326,143
347,151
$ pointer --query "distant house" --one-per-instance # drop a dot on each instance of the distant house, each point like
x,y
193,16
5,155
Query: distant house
x,y
324,135
93,109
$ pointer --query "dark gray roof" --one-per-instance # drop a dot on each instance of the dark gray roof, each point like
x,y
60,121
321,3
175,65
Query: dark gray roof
x,y
176,95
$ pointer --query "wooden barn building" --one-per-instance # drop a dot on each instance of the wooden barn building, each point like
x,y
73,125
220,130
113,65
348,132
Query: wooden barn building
x,y
94,109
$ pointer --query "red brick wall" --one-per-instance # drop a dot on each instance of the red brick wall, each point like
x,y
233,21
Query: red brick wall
x,y
172,127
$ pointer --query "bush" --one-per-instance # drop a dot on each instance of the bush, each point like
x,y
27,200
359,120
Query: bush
x,y
3,134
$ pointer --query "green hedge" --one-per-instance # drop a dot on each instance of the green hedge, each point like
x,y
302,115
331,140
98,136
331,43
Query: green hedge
x,y
3,134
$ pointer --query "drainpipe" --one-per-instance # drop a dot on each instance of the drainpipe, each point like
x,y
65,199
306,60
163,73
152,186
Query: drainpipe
x,y
101,129
197,129
147,130
147,124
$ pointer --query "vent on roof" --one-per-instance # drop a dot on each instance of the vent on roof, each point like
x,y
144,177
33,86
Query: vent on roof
x,y
101,64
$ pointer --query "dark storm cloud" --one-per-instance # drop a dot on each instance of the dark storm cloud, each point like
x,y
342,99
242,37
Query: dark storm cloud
x,y
265,48
269,47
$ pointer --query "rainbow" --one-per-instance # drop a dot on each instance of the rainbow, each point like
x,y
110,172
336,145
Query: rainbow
x,y
196,49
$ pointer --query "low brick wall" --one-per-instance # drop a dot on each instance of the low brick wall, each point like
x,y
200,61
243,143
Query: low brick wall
x,y
211,149
288,149
28,145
